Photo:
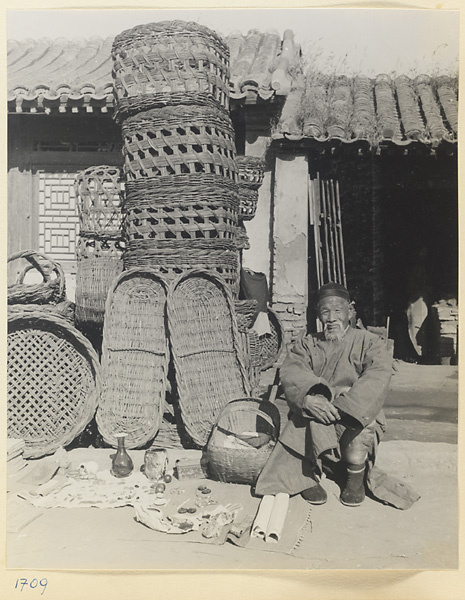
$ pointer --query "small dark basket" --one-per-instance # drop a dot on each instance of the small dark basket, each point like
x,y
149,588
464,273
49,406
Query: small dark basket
x,y
239,420
50,290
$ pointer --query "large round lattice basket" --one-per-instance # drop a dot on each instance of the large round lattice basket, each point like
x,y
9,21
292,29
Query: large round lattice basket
x,y
242,440
50,290
172,141
99,192
53,382
169,63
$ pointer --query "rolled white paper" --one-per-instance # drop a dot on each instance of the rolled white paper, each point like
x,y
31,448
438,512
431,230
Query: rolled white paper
x,y
277,518
260,523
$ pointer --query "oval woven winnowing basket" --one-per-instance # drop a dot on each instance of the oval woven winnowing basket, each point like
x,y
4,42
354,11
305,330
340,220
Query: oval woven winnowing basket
x,y
181,207
99,262
169,63
99,193
173,141
134,358
172,258
52,288
206,351
231,453
271,345
53,382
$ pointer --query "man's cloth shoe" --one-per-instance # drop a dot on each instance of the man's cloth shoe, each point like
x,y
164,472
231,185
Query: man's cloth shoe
x,y
354,492
315,495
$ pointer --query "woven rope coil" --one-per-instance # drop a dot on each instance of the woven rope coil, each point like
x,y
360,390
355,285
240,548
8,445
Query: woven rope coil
x,y
253,425
170,141
134,358
53,382
52,289
171,258
99,192
206,352
170,62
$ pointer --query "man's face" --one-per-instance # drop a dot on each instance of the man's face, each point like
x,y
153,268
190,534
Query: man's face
x,y
334,313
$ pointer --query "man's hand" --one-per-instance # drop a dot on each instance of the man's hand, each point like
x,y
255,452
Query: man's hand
x,y
320,409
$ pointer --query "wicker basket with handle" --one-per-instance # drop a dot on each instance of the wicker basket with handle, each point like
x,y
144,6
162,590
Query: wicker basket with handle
x,y
53,382
242,440
50,290
169,63
206,351
173,141
134,358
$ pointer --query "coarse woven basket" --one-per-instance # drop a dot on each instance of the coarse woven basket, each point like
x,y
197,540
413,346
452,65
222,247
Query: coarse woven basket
x,y
169,63
172,258
64,309
50,290
181,207
271,345
99,192
242,239
134,358
172,141
231,453
248,201
53,382
251,171
245,311
207,356
99,262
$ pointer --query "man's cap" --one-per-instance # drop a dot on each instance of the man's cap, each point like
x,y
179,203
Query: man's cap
x,y
333,289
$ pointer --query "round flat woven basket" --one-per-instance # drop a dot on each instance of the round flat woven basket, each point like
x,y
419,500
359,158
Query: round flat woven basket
x,y
50,290
206,351
53,382
135,358
99,262
242,440
99,193
181,207
173,141
64,310
169,63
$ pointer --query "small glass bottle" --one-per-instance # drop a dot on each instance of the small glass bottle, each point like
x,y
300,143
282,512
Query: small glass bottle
x,y
121,465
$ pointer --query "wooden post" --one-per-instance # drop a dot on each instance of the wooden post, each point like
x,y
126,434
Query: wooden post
x,y
341,237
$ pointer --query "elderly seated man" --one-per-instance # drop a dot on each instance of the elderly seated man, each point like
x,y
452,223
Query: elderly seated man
x,y
335,383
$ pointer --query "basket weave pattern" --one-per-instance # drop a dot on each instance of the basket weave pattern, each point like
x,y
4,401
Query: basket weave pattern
x,y
206,352
51,290
169,141
53,382
251,174
134,358
238,420
99,193
169,62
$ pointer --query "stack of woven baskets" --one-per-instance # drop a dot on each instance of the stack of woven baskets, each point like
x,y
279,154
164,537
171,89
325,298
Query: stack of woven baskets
x,y
171,82
251,173
99,192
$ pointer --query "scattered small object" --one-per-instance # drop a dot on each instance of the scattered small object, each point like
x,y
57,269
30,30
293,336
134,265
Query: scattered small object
x,y
167,478
191,510
160,501
182,510
202,487
206,491
160,488
121,465
188,468
155,463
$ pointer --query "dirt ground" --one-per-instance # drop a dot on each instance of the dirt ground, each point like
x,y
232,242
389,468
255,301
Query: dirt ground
x,y
372,536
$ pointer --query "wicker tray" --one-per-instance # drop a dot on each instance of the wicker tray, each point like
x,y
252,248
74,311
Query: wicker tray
x,y
53,382
181,207
134,358
170,62
52,288
231,455
172,258
173,141
206,352
99,261
99,192
64,309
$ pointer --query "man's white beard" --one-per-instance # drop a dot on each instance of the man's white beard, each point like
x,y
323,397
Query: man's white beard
x,y
333,336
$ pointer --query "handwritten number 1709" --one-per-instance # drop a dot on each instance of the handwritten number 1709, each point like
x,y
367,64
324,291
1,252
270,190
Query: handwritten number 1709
x,y
22,583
